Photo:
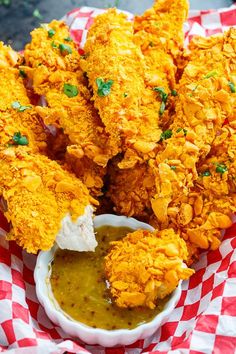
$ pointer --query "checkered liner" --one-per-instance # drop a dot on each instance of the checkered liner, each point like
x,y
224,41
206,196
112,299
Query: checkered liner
x,y
204,320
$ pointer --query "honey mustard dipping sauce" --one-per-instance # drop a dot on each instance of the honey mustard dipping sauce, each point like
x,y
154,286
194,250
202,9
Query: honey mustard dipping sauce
x,y
80,288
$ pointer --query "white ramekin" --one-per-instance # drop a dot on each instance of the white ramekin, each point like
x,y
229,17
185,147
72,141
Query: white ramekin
x,y
77,329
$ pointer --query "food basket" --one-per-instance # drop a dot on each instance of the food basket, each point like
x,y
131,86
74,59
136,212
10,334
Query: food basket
x,y
204,320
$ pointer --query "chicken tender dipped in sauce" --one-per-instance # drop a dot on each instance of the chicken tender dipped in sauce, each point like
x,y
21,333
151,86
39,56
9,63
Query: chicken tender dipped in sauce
x,y
144,267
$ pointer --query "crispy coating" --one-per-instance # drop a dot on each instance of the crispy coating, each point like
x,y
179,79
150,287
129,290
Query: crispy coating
x,y
161,39
39,194
8,57
12,90
162,26
144,267
159,33
204,102
88,142
129,109
89,172
131,190
44,49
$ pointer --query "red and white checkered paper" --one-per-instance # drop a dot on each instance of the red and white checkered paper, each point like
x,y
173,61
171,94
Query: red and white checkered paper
x,y
204,320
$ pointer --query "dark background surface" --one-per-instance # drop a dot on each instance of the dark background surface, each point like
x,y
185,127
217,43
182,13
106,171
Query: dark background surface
x,y
19,17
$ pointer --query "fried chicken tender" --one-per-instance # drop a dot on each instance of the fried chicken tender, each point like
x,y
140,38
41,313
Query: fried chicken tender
x,y
204,102
146,266
16,112
115,69
214,196
61,82
162,26
159,33
45,46
39,194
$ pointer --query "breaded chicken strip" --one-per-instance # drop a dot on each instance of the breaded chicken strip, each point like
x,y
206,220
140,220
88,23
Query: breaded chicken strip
x,y
47,42
15,108
42,201
144,267
115,69
194,128
204,102
61,82
162,26
159,32
214,196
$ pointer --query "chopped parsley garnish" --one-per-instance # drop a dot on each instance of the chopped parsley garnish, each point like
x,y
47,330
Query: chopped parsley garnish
x,y
173,168
22,73
210,74
207,76
68,39
232,87
184,131
125,94
221,168
19,139
53,44
16,105
206,173
65,49
174,93
162,108
163,96
70,90
51,33
104,88
167,134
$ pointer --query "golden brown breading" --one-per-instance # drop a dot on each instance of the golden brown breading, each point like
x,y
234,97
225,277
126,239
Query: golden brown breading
x,y
115,68
39,194
162,26
55,51
65,109
76,115
131,190
17,113
204,102
90,173
8,57
144,267
159,32
160,45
